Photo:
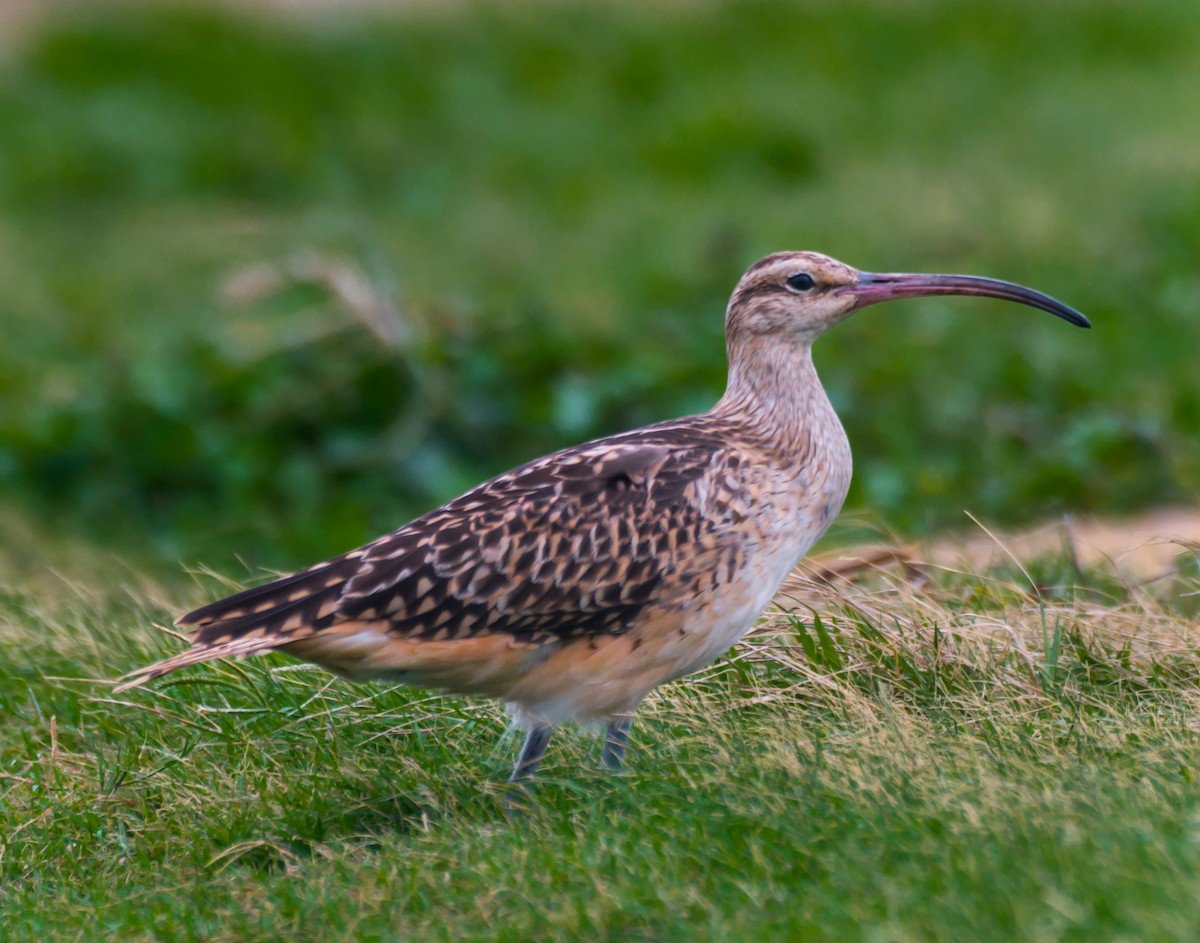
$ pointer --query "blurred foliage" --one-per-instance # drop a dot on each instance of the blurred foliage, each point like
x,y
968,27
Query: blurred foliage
x,y
554,207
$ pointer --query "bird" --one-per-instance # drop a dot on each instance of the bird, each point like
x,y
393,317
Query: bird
x,y
573,585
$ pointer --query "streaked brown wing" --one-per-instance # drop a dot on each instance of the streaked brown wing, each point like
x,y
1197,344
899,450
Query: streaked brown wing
x,y
565,548
570,545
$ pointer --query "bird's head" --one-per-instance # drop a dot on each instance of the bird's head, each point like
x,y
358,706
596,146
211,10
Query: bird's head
x,y
800,295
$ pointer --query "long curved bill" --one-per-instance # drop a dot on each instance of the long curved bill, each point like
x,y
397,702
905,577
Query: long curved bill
x,y
873,288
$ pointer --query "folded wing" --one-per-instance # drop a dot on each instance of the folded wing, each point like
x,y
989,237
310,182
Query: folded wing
x,y
569,546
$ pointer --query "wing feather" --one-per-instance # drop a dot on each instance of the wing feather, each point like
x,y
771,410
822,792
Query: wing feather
x,y
572,545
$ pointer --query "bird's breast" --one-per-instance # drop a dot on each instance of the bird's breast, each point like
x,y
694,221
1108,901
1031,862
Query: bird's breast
x,y
776,512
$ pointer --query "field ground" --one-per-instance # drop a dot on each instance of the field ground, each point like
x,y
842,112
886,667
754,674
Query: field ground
x,y
923,753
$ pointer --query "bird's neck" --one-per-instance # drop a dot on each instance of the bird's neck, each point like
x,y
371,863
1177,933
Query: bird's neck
x,y
774,390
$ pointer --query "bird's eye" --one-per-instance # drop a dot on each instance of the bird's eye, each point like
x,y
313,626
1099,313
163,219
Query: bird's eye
x,y
801,281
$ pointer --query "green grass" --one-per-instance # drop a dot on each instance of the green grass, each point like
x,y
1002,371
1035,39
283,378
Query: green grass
x,y
902,767
557,207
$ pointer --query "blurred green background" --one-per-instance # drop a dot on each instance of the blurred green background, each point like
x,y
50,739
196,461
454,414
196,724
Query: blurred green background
x,y
271,286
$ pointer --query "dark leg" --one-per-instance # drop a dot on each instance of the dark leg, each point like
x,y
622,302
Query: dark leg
x,y
531,753
615,739
527,764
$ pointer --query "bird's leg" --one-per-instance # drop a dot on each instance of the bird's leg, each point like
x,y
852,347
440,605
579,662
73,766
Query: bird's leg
x,y
616,736
532,752
527,764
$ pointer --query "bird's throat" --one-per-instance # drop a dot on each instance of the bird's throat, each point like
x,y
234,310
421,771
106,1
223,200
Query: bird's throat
x,y
773,389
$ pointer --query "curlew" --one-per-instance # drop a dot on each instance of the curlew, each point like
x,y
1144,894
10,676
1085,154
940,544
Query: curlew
x,y
572,586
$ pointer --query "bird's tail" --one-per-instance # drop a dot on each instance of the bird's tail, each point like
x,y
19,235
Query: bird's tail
x,y
259,619
235,648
